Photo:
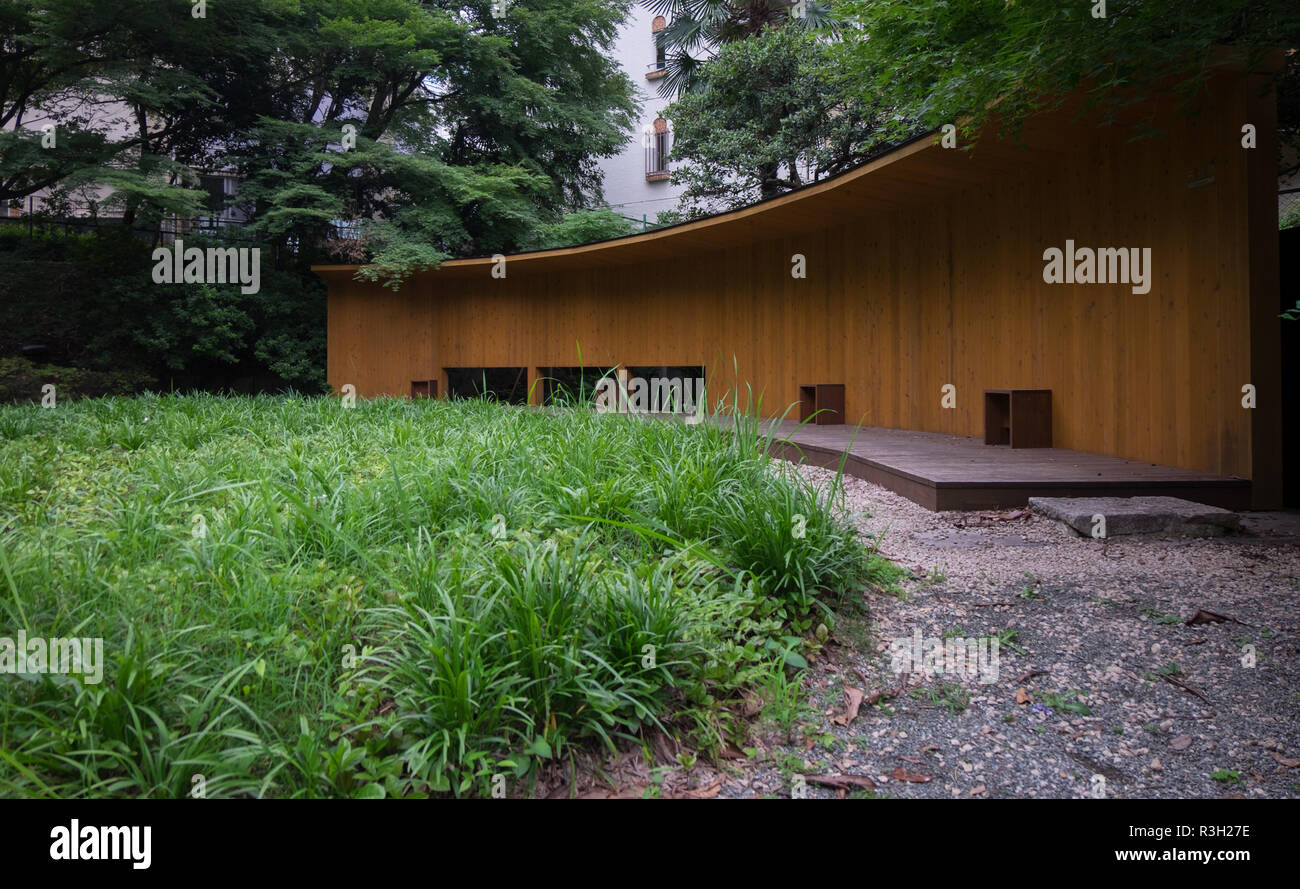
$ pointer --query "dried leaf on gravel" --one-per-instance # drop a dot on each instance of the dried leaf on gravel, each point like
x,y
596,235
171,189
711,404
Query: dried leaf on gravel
x,y
852,702
1178,683
707,792
731,751
842,782
1011,516
911,777
1022,696
1289,763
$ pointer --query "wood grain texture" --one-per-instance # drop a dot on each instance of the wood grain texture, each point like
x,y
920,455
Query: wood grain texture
x,y
923,268
943,472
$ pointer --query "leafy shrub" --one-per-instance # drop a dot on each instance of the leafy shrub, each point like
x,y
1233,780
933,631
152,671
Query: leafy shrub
x,y
21,381
406,598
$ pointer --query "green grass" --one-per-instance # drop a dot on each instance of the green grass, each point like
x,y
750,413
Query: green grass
x,y
1161,618
949,696
1068,702
1226,776
403,598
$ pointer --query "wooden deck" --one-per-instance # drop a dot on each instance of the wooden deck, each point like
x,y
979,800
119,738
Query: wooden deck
x,y
943,472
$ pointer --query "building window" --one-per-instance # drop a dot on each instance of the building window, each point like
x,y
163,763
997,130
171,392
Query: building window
x,y
658,140
221,210
656,68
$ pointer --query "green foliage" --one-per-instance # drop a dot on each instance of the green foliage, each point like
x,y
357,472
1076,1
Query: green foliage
x,y
949,696
1290,219
766,115
696,28
581,227
937,61
433,130
21,381
1068,702
405,598
92,301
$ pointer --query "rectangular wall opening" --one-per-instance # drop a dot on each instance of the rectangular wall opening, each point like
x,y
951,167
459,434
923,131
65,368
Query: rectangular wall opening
x,y
566,385
668,387
505,384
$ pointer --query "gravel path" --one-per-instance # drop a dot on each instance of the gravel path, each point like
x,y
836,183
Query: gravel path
x,y
1099,686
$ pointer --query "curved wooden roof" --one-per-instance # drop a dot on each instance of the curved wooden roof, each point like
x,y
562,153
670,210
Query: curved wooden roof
x,y
913,172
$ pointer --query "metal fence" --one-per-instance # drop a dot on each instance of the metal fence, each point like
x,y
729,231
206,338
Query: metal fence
x,y
167,230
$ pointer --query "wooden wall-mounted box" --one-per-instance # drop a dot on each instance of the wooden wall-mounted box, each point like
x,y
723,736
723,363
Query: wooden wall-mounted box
x,y
1021,418
825,397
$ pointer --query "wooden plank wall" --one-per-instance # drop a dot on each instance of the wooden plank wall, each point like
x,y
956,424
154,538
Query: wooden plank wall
x,y
896,305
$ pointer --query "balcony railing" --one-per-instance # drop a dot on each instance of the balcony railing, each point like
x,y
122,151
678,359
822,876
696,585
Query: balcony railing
x,y
656,155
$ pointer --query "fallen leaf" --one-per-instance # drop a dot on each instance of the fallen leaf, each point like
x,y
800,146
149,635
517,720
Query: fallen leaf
x,y
853,701
1022,696
902,774
978,791
1206,617
841,782
1182,742
665,749
708,792
1289,763
1175,681
731,751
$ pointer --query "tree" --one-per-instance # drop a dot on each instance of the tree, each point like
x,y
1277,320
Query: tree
x,y
766,115
581,227
436,127
697,28
57,71
959,61
393,133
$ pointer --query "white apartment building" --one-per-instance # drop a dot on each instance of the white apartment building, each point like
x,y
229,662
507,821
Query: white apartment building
x,y
637,179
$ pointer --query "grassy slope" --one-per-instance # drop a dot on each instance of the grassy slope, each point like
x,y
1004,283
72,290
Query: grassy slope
x,y
298,599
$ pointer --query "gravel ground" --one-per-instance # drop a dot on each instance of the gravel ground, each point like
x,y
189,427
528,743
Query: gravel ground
x,y
1101,687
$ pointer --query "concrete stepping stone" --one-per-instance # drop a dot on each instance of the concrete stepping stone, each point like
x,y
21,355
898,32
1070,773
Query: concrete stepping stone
x,y
1125,516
